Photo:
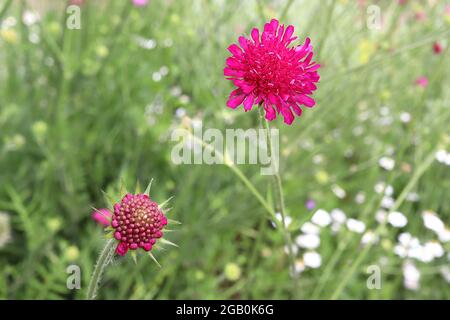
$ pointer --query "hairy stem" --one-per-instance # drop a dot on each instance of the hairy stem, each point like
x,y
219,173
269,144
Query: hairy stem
x,y
103,260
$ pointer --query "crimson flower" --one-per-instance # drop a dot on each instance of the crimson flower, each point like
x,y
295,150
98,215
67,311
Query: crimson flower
x,y
268,71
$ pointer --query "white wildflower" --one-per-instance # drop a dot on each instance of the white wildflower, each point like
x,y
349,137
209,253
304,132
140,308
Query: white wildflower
x,y
312,259
380,216
356,225
411,276
369,238
5,229
308,241
338,191
397,219
310,228
321,218
405,117
432,221
386,163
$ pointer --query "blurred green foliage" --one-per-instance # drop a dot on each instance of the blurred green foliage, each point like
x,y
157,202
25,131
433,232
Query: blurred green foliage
x,y
82,110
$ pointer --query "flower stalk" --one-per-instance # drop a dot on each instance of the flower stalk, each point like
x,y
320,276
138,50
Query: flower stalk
x,y
103,260
278,191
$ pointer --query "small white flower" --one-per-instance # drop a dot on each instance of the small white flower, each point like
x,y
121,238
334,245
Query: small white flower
x,y
310,228
397,219
180,112
338,216
387,202
380,216
293,248
381,187
321,218
445,272
411,276
164,71
360,197
433,222
156,76
5,229
317,159
175,91
29,17
434,248
299,266
184,99
308,241
405,117
412,197
287,220
421,253
441,156
356,225
444,235
312,259
386,163
369,238
338,191
401,251
145,43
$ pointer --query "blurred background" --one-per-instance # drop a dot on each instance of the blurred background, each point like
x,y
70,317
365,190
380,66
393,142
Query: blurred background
x,y
365,172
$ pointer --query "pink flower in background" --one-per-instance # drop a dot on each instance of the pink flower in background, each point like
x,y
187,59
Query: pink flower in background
x,y
310,204
402,2
77,2
266,70
140,3
422,81
138,222
102,216
437,48
420,15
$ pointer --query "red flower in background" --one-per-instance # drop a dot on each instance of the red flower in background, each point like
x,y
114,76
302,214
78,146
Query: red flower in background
x,y
266,70
437,48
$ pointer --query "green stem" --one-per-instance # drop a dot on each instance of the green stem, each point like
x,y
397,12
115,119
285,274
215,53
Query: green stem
x,y
103,260
278,191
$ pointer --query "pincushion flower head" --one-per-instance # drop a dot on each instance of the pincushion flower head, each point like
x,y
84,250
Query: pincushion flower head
x,y
136,222
132,222
268,70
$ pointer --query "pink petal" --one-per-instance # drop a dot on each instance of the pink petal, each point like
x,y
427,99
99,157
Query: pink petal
x,y
243,42
248,102
102,216
233,63
288,116
235,99
122,248
305,100
233,73
255,35
270,112
234,49
297,109
288,33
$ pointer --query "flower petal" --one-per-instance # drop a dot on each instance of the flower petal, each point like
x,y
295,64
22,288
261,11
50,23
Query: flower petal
x,y
248,102
235,99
